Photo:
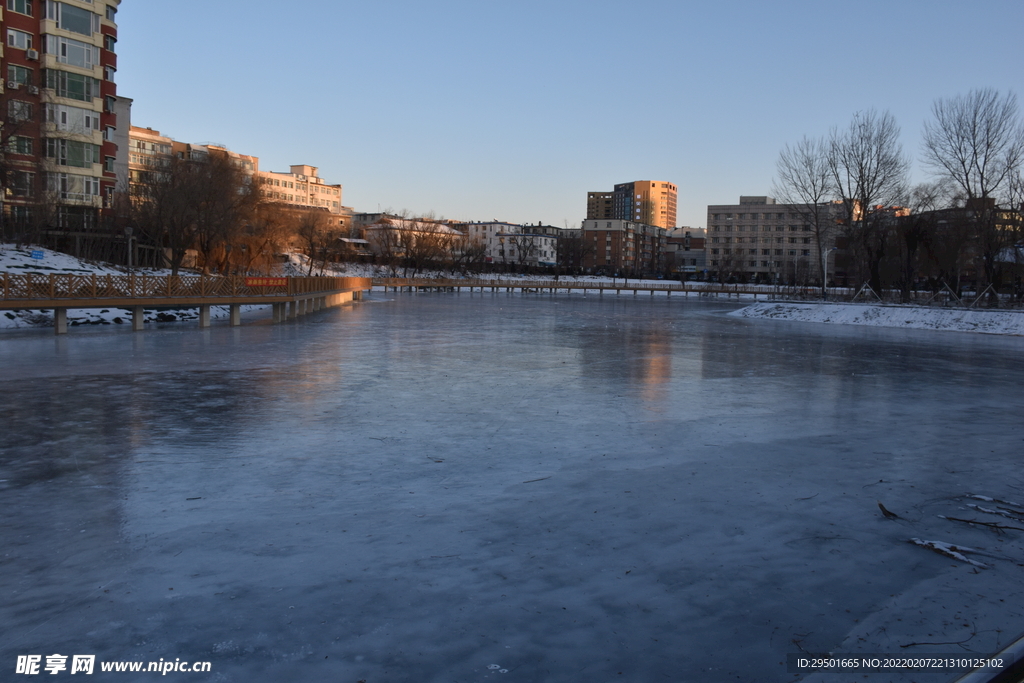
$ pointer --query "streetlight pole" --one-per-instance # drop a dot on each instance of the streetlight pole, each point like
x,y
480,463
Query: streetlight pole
x,y
128,235
824,272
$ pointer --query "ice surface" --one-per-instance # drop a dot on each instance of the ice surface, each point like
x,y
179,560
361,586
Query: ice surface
x,y
421,486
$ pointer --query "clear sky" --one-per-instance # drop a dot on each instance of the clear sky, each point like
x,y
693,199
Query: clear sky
x,y
515,109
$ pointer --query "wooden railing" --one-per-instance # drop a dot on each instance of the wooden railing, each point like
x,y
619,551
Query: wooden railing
x,y
29,286
795,293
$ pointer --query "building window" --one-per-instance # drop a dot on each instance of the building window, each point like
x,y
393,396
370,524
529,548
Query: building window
x,y
108,73
108,164
18,111
109,42
73,186
19,39
72,86
111,13
73,52
72,152
19,144
19,74
71,18
20,183
20,6
72,119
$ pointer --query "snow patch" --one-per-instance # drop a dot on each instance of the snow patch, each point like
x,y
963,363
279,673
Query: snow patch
x,y
915,317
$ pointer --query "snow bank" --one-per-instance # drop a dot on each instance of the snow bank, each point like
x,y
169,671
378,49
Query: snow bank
x,y
916,317
19,260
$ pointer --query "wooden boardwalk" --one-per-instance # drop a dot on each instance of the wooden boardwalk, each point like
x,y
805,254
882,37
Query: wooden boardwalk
x,y
669,287
290,297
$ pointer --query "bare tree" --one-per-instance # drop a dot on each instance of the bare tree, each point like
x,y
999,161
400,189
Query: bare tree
x,y
805,183
386,243
313,231
869,172
188,201
465,254
977,142
226,203
526,249
573,250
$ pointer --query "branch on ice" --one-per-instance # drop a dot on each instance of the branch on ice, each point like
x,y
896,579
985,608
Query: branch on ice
x,y
994,512
949,550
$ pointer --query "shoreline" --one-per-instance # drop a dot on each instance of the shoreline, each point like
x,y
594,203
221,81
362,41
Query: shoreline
x,y
1001,322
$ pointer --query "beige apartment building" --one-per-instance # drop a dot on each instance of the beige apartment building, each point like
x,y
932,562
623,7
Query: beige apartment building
x,y
302,188
150,151
651,202
761,241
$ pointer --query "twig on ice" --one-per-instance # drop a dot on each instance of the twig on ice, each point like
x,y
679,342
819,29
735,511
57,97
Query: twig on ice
x,y
992,525
994,512
974,632
888,514
949,550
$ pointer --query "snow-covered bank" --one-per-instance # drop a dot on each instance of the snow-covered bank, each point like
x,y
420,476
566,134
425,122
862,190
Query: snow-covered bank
x,y
916,317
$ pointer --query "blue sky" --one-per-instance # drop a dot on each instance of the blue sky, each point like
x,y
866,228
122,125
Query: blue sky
x,y
515,109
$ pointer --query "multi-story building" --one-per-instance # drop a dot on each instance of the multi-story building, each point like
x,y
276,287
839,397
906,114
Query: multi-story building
x,y
58,100
685,255
302,188
600,205
762,241
651,202
148,152
512,244
625,247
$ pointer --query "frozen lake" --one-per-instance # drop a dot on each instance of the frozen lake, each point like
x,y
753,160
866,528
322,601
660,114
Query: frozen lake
x,y
421,487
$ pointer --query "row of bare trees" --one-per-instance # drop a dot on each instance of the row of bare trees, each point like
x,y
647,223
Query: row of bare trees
x,y
210,205
852,188
401,242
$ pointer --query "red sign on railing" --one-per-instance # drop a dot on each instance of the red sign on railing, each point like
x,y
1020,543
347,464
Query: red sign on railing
x,y
266,282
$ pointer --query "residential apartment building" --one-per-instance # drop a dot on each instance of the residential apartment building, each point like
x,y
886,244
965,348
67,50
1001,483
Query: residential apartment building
x,y
625,247
512,244
301,187
651,202
58,99
148,152
684,252
760,240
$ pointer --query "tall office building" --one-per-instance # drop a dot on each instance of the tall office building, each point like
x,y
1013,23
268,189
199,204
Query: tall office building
x,y
651,202
57,103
